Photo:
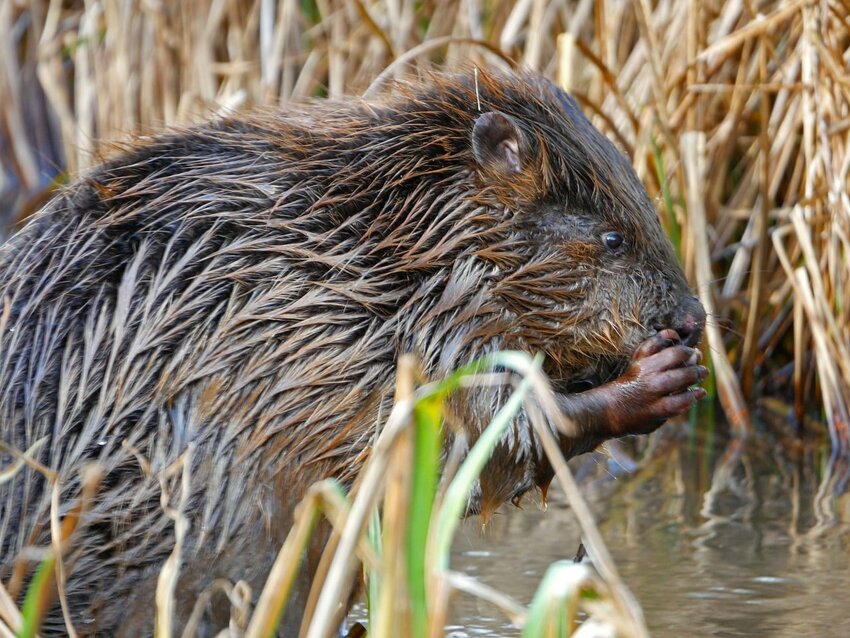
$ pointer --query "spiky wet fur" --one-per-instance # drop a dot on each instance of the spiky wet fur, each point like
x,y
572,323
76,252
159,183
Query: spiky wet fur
x,y
246,286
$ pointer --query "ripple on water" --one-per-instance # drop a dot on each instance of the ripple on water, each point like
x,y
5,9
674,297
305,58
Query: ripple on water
x,y
722,554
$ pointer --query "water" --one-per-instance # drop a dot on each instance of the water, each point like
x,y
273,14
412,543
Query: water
x,y
713,540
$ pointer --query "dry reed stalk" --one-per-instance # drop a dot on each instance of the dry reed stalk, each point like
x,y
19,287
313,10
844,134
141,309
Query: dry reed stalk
x,y
693,156
339,576
169,574
11,619
515,612
320,498
392,615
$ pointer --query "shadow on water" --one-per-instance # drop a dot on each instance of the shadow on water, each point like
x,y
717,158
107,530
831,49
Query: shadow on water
x,y
715,538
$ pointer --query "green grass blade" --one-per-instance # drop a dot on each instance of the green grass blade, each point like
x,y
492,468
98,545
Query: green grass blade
x,y
428,440
673,227
33,607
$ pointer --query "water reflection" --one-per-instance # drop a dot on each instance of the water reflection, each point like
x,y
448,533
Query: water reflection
x,y
714,539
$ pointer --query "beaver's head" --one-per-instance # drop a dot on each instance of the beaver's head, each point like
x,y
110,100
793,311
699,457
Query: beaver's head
x,y
594,272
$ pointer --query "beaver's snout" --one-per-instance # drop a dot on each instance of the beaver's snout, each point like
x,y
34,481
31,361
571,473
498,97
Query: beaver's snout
x,y
690,321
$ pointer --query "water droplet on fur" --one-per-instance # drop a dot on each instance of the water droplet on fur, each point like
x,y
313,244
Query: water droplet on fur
x,y
101,442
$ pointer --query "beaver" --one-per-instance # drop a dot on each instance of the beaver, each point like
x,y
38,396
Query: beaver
x,y
245,287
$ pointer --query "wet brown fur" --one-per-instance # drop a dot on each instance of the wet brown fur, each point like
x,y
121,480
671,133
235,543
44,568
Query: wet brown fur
x,y
246,286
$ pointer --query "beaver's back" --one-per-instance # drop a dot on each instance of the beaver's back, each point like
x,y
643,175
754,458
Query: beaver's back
x,y
153,306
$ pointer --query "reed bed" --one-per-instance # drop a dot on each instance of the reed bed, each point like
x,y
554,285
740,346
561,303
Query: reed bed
x,y
736,115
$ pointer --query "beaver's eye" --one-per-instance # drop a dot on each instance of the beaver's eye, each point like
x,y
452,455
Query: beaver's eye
x,y
612,240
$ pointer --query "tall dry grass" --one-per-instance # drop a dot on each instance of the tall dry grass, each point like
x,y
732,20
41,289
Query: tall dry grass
x,y
736,115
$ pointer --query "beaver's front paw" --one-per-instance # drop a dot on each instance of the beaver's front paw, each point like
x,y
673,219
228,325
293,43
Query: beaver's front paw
x,y
656,386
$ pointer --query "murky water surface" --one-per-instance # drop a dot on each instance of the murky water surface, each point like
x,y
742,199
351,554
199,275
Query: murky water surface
x,y
713,541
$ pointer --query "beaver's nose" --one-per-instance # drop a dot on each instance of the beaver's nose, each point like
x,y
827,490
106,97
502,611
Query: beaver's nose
x,y
690,321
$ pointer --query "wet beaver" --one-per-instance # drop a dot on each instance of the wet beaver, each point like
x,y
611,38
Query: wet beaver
x,y
246,286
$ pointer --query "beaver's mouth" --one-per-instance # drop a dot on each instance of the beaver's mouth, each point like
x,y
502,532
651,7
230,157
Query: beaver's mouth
x,y
580,385
592,376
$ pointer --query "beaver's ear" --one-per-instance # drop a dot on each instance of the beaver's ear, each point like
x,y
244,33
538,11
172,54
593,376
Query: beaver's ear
x,y
496,140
